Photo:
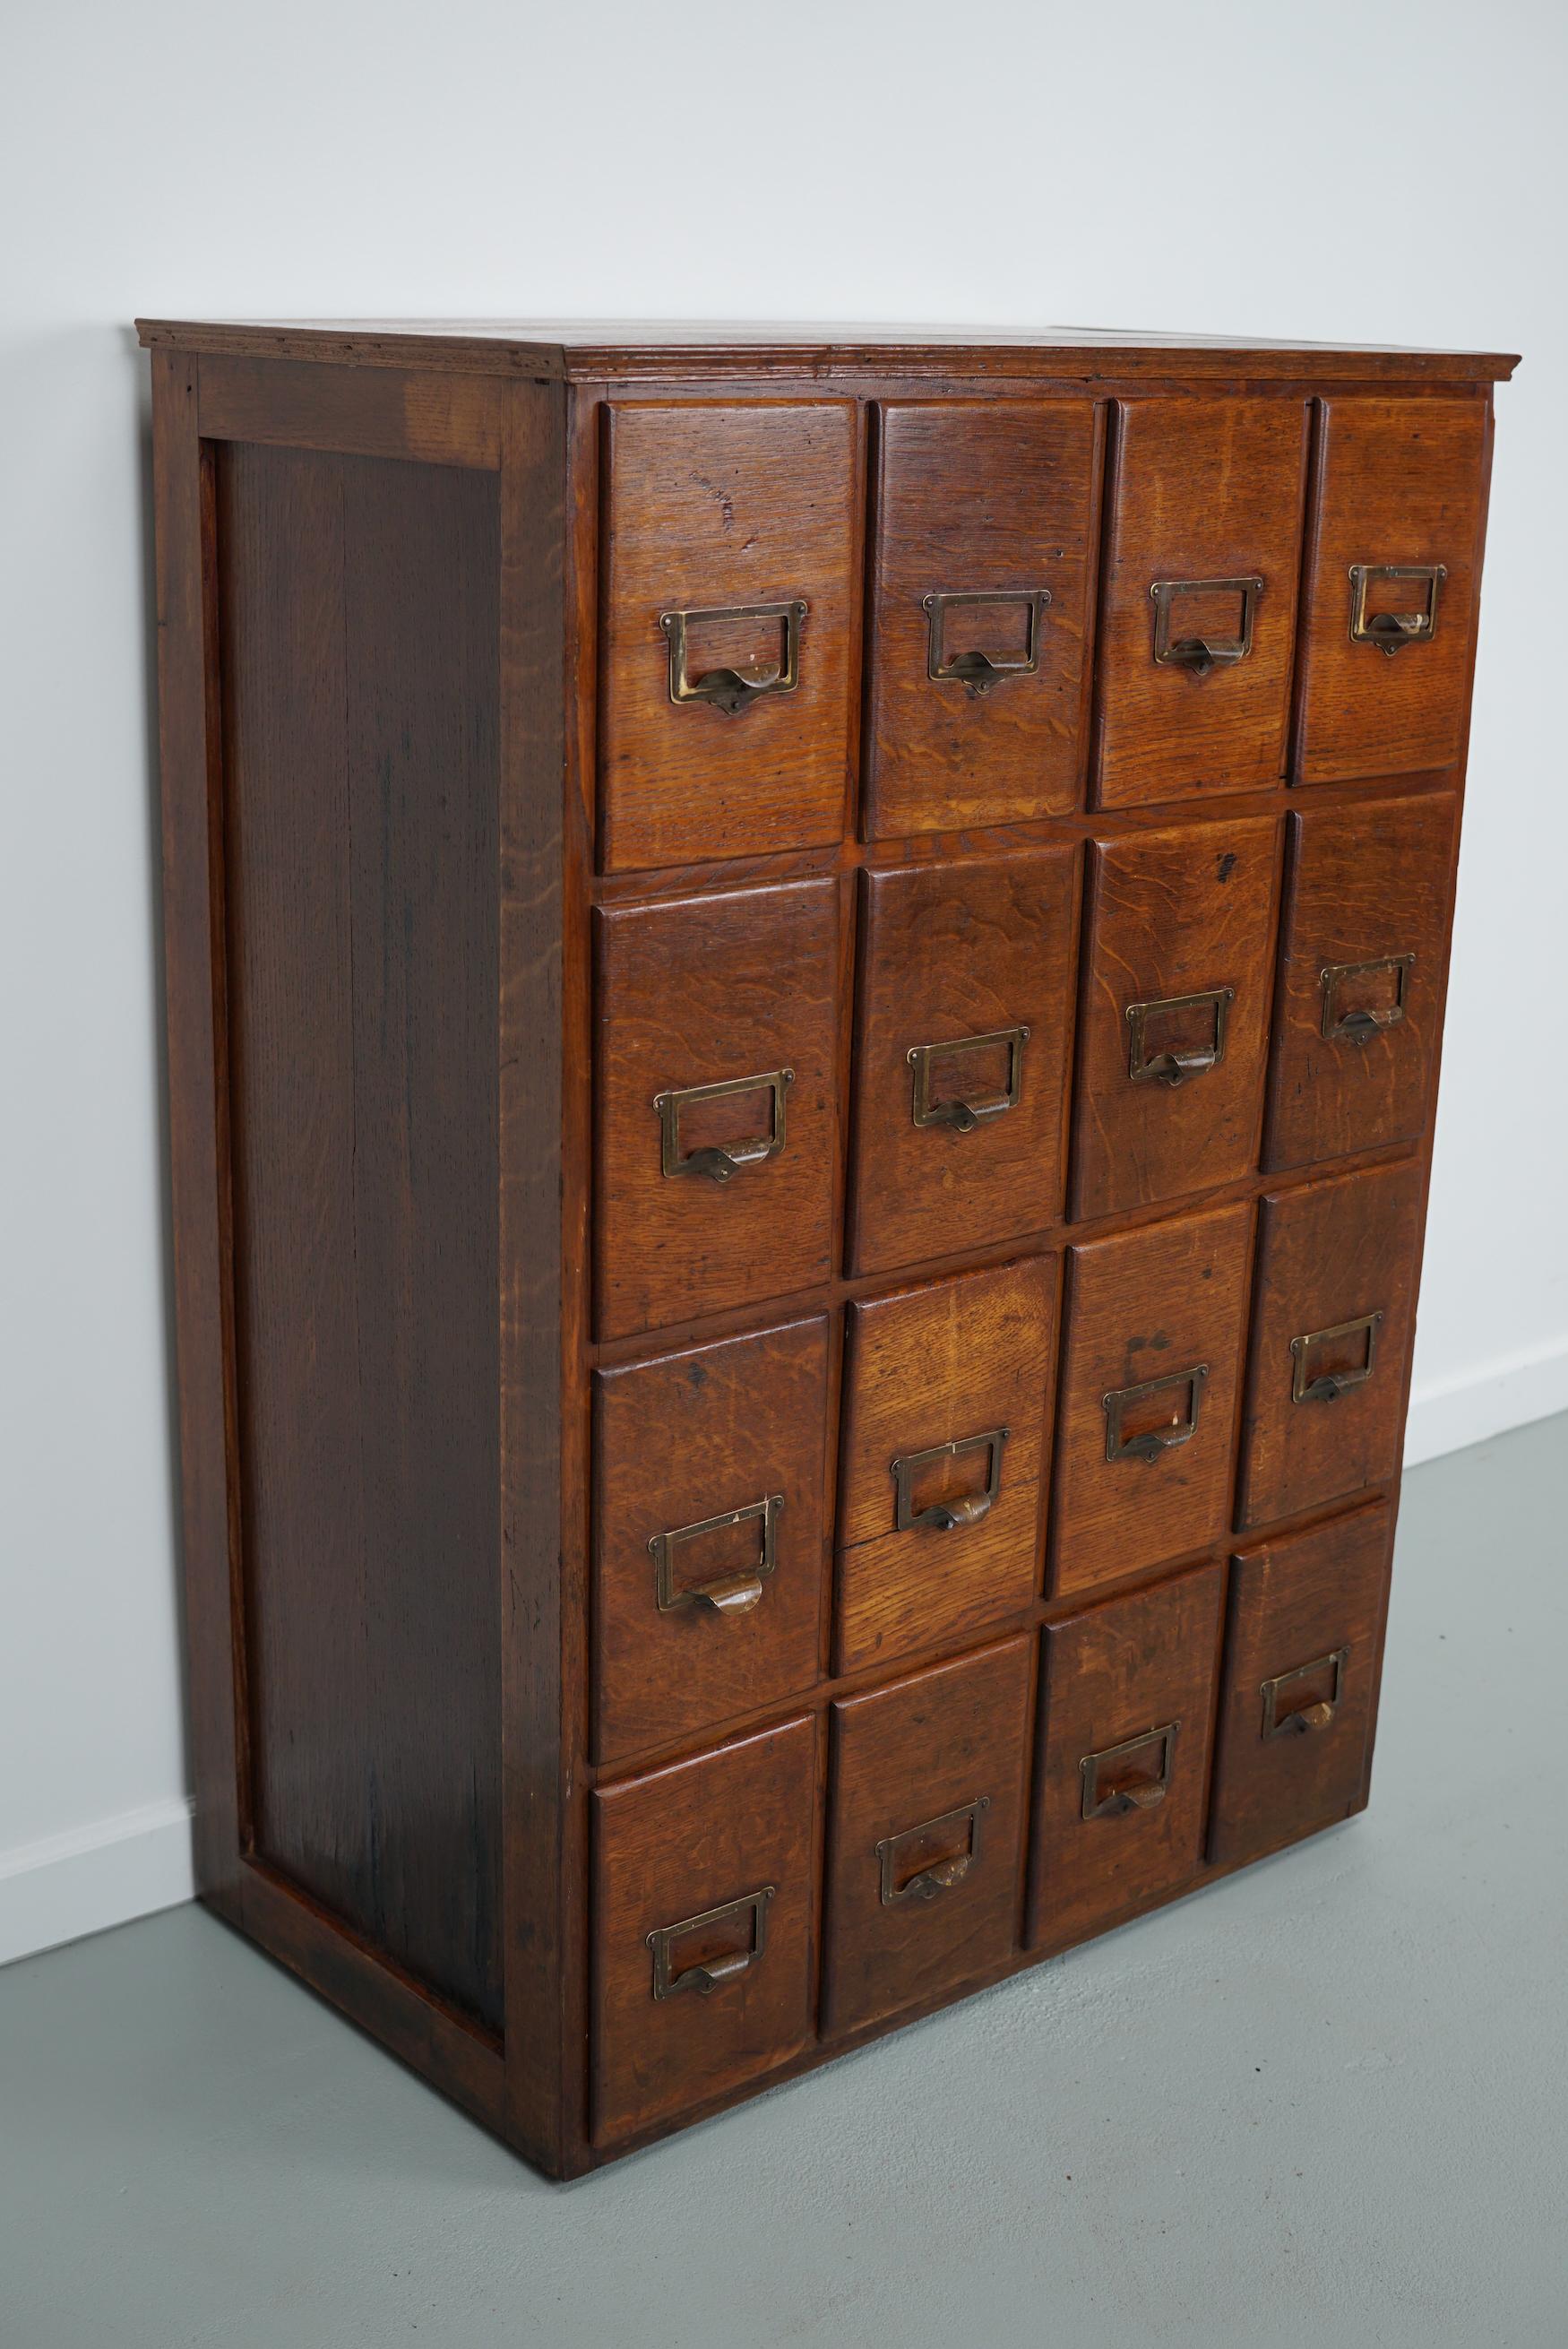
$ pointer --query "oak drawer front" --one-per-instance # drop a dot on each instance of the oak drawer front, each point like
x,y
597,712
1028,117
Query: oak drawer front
x,y
944,1454
717,1091
729,629
1126,1712
979,651
1390,587
705,1919
1150,1387
710,1533
1176,1005
927,1833
966,1000
1333,1319
1362,960
1305,1627
1197,603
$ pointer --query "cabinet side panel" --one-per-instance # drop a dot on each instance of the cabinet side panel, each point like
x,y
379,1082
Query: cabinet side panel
x,y
359,656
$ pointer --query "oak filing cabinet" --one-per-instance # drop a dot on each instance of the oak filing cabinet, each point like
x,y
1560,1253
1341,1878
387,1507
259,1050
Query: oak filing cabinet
x,y
804,979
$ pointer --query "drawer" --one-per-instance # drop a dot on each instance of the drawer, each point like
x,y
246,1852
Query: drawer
x,y
985,518
729,629
1197,603
1176,1004
705,1917
943,1453
1391,586
716,1087
1333,1320
710,1533
1150,1387
1302,1645
1363,959
967,981
1126,1711
927,1834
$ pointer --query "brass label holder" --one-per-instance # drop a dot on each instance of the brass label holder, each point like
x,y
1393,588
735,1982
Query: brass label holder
x,y
750,1909
1285,1721
731,691
942,1874
1392,631
727,1595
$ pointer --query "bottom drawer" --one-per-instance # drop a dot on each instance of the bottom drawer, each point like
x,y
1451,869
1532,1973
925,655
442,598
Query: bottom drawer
x,y
1127,1705
705,1925
928,1804
1295,1706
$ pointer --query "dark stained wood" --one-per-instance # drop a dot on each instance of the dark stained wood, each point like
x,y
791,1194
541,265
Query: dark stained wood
x,y
1328,1255
360,705
1204,490
1371,881
1172,914
437,419
979,499
906,1759
1295,1603
1112,1674
951,952
710,509
926,1367
744,983
680,1440
1145,1305
670,1848
1398,482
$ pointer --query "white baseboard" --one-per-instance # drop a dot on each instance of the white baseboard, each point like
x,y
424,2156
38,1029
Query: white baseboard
x,y
128,1867
95,1876
1487,1401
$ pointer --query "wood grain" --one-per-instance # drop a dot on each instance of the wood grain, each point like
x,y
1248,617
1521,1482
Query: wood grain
x,y
949,952
979,499
437,419
1204,490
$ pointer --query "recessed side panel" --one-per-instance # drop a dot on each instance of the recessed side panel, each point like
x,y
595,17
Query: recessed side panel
x,y
359,659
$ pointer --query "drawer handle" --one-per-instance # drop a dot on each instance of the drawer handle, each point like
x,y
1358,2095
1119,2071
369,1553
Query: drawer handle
x,y
1329,1385
719,1165
1144,1067
1361,1026
942,1874
732,690
728,1595
947,1516
1317,1712
751,1912
1199,654
1111,1785
1153,1440
961,1116
1392,631
977,672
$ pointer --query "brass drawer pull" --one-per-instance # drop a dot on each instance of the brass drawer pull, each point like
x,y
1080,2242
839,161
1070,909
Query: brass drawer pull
x,y
1144,1067
719,1165
1110,1789
1153,1440
729,1594
1331,1384
946,1517
1361,1026
1199,654
964,1116
1283,1722
977,672
1392,631
751,1911
732,690
942,1874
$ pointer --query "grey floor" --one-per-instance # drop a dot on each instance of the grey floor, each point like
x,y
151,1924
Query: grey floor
x,y
1323,2103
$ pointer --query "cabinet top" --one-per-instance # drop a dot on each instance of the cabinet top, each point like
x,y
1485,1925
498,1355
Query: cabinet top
x,y
586,351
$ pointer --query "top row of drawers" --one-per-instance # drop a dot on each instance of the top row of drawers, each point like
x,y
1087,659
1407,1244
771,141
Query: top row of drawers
x,y
731,628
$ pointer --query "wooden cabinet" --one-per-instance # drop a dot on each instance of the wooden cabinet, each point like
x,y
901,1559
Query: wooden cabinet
x,y
805,984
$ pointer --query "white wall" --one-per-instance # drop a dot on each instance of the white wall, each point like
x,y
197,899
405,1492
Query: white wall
x,y
1343,170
